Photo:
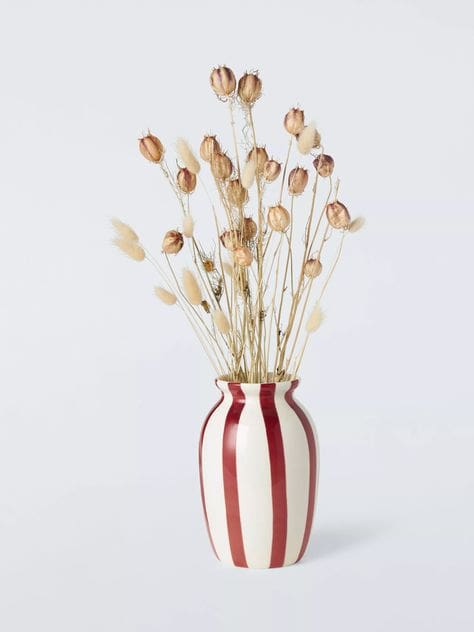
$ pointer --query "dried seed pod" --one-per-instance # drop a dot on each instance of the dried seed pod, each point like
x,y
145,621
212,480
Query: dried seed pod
x,y
223,81
242,256
309,139
249,88
260,156
312,268
172,242
236,194
230,239
151,148
205,306
209,147
130,248
221,166
188,226
297,180
324,165
294,121
186,180
338,215
278,218
208,265
271,170
166,297
249,229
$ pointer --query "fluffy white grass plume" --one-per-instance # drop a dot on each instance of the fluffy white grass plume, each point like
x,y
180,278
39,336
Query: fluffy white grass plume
x,y
315,319
356,224
191,288
188,226
186,154
221,321
167,297
248,174
124,231
308,139
130,248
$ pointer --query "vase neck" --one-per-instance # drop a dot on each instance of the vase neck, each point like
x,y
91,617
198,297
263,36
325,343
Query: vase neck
x,y
244,391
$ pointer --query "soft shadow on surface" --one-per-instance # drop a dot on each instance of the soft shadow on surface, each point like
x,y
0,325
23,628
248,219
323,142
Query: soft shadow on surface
x,y
327,541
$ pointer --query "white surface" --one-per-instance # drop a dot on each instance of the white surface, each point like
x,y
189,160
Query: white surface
x,y
100,518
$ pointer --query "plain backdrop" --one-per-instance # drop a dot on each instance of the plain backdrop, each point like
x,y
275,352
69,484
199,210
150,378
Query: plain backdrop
x,y
103,390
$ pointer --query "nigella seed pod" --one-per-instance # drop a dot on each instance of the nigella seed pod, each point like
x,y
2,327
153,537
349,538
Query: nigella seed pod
x,y
208,265
186,180
221,166
151,148
258,154
324,165
312,268
294,121
236,194
249,88
271,170
249,229
297,180
338,215
223,81
209,147
242,256
230,239
278,218
172,242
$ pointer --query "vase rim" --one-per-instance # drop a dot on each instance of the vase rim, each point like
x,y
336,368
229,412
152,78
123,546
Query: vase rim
x,y
221,381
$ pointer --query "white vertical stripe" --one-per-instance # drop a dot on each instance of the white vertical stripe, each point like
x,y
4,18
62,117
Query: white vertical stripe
x,y
254,482
213,480
295,446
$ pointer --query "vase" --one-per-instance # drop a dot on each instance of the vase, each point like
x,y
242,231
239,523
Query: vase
x,y
258,464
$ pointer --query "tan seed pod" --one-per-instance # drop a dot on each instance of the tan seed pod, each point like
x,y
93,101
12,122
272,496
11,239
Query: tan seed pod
x,y
315,319
236,193
186,154
130,248
297,180
221,321
191,288
188,226
249,88
294,121
223,81
167,297
309,139
338,215
205,306
221,166
151,148
124,230
248,174
242,256
261,156
172,242
271,170
209,147
208,265
312,268
186,180
356,224
324,165
249,229
278,218
230,239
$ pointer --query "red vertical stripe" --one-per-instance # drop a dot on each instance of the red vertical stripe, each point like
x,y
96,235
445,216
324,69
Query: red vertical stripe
x,y
201,440
277,471
229,464
312,464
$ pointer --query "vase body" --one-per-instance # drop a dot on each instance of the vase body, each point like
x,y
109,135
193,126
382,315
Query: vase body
x,y
258,463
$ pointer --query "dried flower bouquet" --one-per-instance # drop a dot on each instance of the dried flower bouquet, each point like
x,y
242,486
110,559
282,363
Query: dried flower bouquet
x,y
254,302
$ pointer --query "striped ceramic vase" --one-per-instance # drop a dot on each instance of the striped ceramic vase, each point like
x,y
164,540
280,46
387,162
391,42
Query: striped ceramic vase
x,y
258,463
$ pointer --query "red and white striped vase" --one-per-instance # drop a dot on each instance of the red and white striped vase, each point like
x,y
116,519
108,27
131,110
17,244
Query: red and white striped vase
x,y
258,464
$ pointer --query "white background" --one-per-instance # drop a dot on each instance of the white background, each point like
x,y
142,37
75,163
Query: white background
x,y
103,390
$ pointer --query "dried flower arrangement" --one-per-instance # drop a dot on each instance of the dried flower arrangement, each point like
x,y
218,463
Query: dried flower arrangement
x,y
249,302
